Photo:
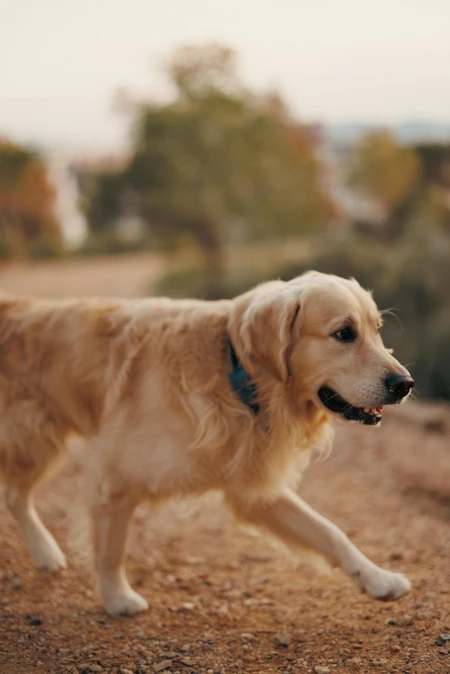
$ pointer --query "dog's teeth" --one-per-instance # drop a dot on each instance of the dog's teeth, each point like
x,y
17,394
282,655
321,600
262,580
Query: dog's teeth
x,y
374,411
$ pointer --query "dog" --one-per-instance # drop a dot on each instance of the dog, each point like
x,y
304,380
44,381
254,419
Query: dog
x,y
178,397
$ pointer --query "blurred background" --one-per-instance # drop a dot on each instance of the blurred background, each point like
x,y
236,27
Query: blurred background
x,y
195,148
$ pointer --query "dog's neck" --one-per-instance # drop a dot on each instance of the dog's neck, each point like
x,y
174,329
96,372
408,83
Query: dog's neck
x,y
241,382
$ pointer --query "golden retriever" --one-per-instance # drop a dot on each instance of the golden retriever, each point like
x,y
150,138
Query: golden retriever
x,y
181,397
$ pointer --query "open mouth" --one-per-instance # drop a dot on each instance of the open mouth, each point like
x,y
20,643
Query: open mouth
x,y
370,416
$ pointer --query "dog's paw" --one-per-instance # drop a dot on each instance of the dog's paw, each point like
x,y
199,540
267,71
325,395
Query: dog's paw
x,y
48,556
126,603
384,585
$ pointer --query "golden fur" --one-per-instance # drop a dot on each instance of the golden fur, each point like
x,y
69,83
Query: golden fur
x,y
146,382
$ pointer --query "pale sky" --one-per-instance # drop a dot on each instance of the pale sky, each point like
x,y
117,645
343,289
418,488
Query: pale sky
x,y
61,61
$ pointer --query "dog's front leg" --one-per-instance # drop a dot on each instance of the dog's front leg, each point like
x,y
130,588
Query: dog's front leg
x,y
110,520
290,519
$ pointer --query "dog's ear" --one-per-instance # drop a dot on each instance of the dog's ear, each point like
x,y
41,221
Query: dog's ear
x,y
267,329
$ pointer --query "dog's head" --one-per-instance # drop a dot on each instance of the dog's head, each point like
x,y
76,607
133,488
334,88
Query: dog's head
x,y
319,335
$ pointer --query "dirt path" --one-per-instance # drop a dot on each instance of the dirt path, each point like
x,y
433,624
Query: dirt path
x,y
122,276
219,596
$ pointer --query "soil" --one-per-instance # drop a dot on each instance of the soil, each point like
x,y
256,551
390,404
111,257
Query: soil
x,y
125,276
225,600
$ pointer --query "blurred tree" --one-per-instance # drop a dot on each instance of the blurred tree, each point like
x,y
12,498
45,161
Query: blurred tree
x,y
432,204
103,205
26,202
435,161
217,163
386,172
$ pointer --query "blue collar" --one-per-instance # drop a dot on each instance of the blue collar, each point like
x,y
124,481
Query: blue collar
x,y
242,384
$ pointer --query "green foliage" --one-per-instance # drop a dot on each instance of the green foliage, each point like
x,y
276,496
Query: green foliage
x,y
195,281
435,162
384,169
13,162
192,281
216,164
387,173
103,204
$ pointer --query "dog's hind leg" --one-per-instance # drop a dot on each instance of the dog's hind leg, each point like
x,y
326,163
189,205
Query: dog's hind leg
x,y
110,519
43,548
32,444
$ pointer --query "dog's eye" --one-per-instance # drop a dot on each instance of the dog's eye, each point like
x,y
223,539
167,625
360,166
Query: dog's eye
x,y
346,334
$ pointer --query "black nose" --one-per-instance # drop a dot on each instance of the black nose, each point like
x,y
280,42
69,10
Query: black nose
x,y
399,385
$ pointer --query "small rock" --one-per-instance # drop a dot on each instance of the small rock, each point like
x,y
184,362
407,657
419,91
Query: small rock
x,y
353,661
16,584
164,664
95,668
222,610
188,605
262,580
187,661
195,561
35,622
395,648
321,670
442,639
405,620
124,670
170,655
283,639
